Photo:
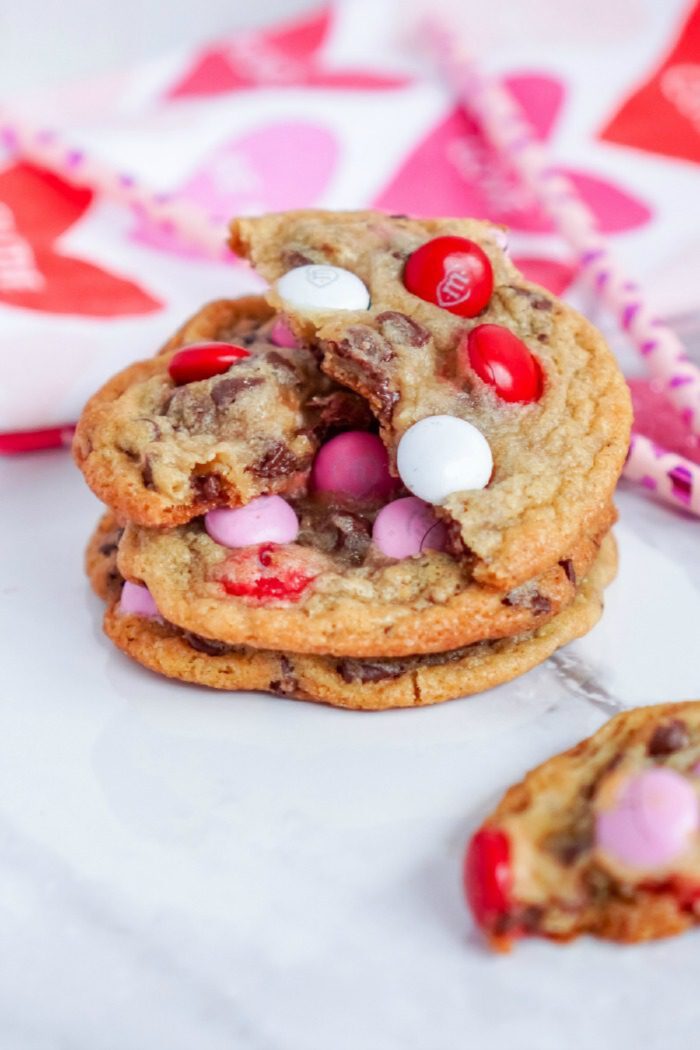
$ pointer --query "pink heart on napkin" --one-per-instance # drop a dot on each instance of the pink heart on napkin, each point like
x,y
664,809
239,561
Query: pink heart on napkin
x,y
278,166
455,171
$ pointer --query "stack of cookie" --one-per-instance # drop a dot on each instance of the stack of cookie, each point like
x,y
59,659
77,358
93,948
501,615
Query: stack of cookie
x,y
387,483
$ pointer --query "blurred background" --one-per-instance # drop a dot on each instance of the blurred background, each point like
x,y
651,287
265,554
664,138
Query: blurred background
x,y
45,41
111,113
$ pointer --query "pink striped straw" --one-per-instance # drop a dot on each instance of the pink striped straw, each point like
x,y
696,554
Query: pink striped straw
x,y
508,128
47,148
671,477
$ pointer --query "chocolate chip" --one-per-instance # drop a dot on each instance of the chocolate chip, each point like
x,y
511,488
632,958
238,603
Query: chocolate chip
x,y
278,462
226,391
207,645
542,338
537,301
402,329
291,258
192,409
365,355
362,344
363,671
288,684
568,566
208,487
530,917
540,604
669,737
280,361
568,846
111,542
399,215
537,603
147,472
341,410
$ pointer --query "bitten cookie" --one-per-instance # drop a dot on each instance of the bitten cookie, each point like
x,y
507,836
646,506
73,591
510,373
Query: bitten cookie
x,y
349,682
498,404
223,414
603,839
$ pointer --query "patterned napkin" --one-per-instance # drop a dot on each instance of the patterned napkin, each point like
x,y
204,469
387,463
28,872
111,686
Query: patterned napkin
x,y
336,110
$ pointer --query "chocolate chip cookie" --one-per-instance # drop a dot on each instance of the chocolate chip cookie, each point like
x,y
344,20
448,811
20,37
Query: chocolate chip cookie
x,y
160,445
448,329
356,683
603,839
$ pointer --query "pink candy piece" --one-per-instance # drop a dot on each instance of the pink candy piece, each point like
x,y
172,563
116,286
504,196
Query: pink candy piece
x,y
268,519
282,335
137,600
354,463
654,816
408,526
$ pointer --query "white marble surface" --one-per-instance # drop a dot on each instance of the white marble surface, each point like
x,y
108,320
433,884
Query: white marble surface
x,y
180,869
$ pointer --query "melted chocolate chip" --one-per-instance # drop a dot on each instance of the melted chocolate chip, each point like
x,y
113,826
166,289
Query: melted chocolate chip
x,y
538,603
147,472
568,846
227,390
208,487
568,566
288,684
291,258
278,462
365,355
363,671
537,302
193,409
207,645
402,329
110,545
669,737
363,344
341,410
352,670
280,361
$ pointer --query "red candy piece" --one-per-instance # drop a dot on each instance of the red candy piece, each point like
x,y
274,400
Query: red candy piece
x,y
487,876
204,360
504,362
266,573
452,272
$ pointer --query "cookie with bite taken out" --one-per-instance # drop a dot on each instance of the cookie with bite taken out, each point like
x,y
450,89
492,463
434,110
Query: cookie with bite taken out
x,y
498,404
603,839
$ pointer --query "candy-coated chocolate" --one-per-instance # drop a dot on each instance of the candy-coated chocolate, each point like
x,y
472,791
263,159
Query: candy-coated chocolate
x,y
452,272
137,600
355,463
269,573
488,876
406,527
204,360
440,455
503,361
651,822
268,519
321,287
282,335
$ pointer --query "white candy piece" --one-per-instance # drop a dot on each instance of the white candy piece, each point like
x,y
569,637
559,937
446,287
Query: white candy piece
x,y
321,287
440,455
